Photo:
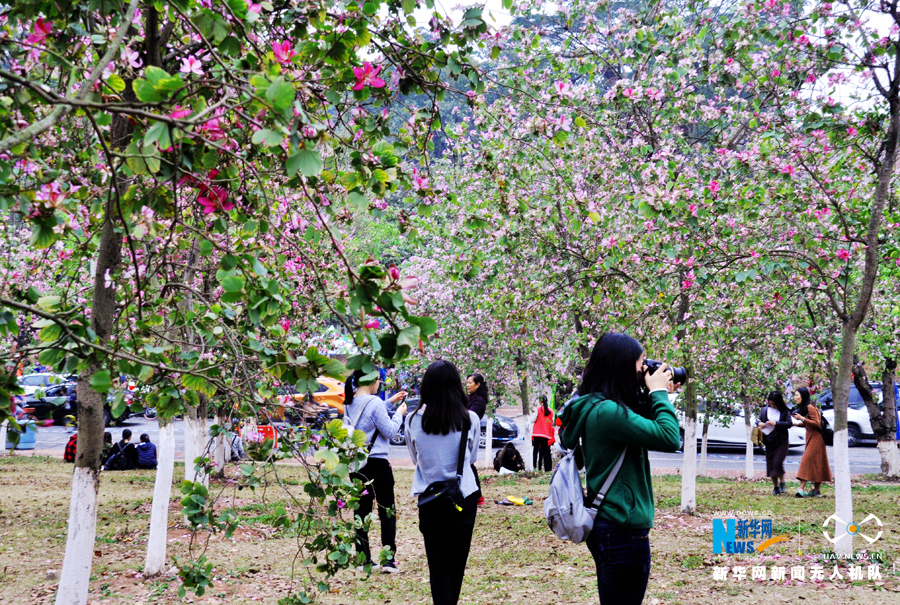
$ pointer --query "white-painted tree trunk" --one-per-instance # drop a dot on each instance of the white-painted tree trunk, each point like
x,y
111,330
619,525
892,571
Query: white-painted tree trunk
x,y
890,458
489,444
843,499
162,493
3,426
190,441
528,448
203,443
75,578
689,468
702,470
748,457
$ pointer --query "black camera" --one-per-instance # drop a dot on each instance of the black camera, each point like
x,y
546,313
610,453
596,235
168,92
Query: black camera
x,y
679,375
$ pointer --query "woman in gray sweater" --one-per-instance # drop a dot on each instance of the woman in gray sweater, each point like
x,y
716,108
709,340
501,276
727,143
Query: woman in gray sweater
x,y
433,435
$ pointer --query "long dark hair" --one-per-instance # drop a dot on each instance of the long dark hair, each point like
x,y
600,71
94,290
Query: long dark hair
x,y
543,400
482,385
803,407
351,385
444,400
611,370
776,398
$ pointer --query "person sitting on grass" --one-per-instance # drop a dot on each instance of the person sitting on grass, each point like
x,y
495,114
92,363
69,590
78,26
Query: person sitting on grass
x,y
148,457
129,455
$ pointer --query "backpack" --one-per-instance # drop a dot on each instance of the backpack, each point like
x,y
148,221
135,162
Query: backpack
x,y
350,425
827,431
117,462
564,508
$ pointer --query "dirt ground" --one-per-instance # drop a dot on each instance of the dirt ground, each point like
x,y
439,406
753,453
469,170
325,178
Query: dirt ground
x,y
515,559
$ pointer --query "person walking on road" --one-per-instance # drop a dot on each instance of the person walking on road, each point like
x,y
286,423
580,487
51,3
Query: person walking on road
x,y
775,422
618,424
814,464
434,434
372,418
542,436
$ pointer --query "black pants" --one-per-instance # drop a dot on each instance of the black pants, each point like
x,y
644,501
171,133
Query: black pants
x,y
381,490
448,536
622,557
540,447
477,480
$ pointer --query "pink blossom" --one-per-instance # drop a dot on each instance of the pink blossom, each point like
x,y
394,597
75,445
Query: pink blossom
x,y
775,73
714,187
180,112
810,78
788,170
851,131
693,208
372,324
254,8
367,76
843,254
563,89
215,198
191,65
132,58
285,325
42,29
394,272
283,52
340,503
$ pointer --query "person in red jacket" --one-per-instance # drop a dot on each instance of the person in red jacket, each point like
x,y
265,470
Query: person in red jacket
x,y
542,436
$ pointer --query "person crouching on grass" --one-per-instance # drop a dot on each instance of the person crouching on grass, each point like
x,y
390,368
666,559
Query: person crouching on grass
x,y
611,414
433,435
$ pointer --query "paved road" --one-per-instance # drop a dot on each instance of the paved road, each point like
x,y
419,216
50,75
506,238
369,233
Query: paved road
x,y
863,459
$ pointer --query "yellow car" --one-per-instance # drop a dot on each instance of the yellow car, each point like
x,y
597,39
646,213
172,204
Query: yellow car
x,y
330,393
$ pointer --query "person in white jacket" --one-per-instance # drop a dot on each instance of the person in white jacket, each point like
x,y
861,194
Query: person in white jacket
x,y
433,435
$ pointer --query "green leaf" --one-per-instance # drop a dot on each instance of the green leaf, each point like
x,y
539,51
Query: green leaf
x,y
358,200
101,381
269,138
50,333
135,160
233,283
199,384
281,94
159,134
116,83
328,458
409,337
42,236
307,161
145,92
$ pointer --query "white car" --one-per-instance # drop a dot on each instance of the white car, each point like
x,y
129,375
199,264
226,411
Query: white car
x,y
32,382
734,433
859,426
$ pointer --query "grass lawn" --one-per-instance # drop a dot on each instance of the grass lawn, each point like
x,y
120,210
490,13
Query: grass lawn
x,y
515,559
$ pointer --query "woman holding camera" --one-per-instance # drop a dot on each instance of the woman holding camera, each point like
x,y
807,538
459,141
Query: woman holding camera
x,y
775,419
370,416
611,414
433,435
814,464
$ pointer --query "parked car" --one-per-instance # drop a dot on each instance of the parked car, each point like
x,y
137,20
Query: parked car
x,y
734,433
53,405
859,425
32,382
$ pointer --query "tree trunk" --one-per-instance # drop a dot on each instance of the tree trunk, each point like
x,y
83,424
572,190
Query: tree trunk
x,y
689,467
528,447
749,471
702,469
190,442
843,499
75,578
162,493
523,384
3,426
202,438
890,455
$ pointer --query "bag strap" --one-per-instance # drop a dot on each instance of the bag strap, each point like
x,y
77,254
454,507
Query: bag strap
x,y
601,495
460,457
359,416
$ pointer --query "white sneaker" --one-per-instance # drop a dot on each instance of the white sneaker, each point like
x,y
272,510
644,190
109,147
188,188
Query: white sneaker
x,y
390,567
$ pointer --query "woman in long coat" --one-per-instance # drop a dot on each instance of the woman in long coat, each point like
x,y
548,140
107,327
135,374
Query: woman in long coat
x,y
775,416
814,464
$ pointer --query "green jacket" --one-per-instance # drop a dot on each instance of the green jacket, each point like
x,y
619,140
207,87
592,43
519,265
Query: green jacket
x,y
606,428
